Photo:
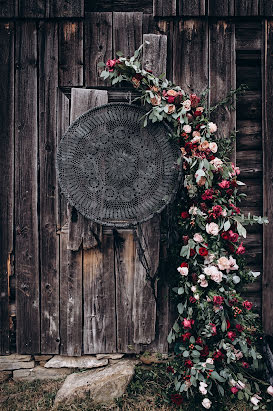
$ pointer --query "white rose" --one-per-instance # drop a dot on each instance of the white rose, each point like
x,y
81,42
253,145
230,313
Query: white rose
x,y
270,390
196,296
193,288
183,270
209,258
203,390
201,277
187,105
232,382
206,403
196,139
193,210
198,238
203,283
217,163
212,228
224,213
187,128
209,361
239,355
240,385
213,147
217,276
223,263
255,400
232,264
212,127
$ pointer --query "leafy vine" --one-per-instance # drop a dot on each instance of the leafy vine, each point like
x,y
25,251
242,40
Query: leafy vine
x,y
216,338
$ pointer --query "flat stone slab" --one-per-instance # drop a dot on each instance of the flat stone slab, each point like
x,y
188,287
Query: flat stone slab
x,y
16,365
42,357
104,385
41,373
86,361
14,357
109,356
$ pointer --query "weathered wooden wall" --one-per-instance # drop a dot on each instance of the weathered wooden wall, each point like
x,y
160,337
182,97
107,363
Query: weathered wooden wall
x,y
64,289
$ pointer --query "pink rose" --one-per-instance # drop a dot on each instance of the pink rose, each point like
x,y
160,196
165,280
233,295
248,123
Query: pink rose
x,y
187,128
213,147
247,305
111,64
187,323
187,105
212,127
212,228
224,184
231,335
240,249
198,238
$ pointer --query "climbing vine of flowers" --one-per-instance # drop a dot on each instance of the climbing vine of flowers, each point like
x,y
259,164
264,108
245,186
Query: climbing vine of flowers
x,y
216,338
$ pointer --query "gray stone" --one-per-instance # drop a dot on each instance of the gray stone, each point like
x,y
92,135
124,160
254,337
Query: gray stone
x,y
41,373
86,361
4,376
14,357
16,365
42,357
109,356
104,385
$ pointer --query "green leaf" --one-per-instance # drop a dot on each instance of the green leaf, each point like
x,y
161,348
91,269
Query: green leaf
x,y
119,53
180,290
224,326
192,340
186,354
195,353
240,395
216,376
227,225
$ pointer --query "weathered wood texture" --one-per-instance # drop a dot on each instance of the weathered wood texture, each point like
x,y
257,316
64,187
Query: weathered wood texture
x,y
98,46
146,6
49,242
155,44
26,190
41,8
191,8
70,53
8,8
7,175
65,8
127,32
190,39
164,8
268,181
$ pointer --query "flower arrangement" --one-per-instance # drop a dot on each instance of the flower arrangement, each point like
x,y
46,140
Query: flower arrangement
x,y
215,337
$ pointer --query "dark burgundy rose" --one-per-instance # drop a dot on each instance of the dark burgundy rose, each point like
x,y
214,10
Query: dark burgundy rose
x,y
239,327
205,351
218,300
218,356
170,369
177,399
188,363
203,251
185,215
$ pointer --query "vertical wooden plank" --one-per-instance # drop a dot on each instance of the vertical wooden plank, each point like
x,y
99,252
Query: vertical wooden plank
x,y
221,8
99,331
191,8
70,53
267,8
8,8
48,83
247,7
65,8
267,181
164,8
190,39
155,44
7,174
32,8
26,190
98,45
127,32
222,74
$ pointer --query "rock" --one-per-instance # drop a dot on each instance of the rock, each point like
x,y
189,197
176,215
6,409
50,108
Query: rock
x,y
16,365
42,357
41,373
109,356
104,385
150,359
14,357
4,376
86,361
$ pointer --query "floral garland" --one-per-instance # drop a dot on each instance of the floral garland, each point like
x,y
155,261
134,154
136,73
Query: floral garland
x,y
215,337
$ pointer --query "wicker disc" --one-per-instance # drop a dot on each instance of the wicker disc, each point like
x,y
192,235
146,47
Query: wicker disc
x,y
113,170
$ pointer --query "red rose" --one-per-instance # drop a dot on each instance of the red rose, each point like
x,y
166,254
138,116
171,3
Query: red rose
x,y
233,236
217,210
229,192
213,329
233,301
111,64
208,194
203,251
171,99
186,336
236,209
185,215
248,305
203,207
185,239
192,252
199,341
225,235
240,249
218,356
218,300
245,364
197,113
187,323
177,399
234,390
239,327
231,335
170,369
184,265
194,100
188,363
205,351
192,300
224,184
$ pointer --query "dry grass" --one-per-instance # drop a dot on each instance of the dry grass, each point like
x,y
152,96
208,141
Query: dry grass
x,y
145,393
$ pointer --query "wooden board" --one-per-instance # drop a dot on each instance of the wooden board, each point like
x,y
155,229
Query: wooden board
x,y
221,8
153,44
247,7
26,190
8,8
7,175
222,74
164,8
191,8
98,46
32,8
70,53
65,8
267,181
190,39
248,35
146,6
49,242
127,32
